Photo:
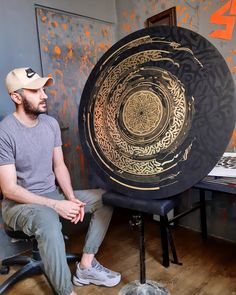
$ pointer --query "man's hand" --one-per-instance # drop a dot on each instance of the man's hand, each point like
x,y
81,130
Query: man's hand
x,y
80,216
71,210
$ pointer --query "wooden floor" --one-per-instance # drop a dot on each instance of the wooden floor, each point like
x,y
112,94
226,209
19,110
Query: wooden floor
x,y
209,267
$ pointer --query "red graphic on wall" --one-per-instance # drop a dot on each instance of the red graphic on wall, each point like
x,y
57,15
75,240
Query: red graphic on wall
x,y
226,16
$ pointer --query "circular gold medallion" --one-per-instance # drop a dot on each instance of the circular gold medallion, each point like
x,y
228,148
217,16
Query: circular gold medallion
x,y
148,112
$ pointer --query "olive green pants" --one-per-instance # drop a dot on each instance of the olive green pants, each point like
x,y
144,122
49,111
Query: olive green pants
x,y
44,223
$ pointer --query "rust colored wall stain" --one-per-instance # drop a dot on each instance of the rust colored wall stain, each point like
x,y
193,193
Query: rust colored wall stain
x,y
182,14
87,34
126,27
232,143
59,72
64,26
57,50
132,16
55,24
230,61
104,32
185,19
64,108
43,18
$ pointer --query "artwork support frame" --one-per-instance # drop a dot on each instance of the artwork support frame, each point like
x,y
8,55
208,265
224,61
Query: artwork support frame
x,y
166,17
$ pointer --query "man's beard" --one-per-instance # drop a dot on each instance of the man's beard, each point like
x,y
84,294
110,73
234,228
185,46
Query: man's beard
x,y
30,109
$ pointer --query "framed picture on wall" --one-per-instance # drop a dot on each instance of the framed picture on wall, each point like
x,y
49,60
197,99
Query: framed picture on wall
x,y
166,17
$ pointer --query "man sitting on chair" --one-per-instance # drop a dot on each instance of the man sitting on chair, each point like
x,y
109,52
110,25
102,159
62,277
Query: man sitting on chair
x,y
31,159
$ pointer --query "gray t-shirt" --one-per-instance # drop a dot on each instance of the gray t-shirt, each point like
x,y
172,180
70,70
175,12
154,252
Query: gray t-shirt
x,y
31,150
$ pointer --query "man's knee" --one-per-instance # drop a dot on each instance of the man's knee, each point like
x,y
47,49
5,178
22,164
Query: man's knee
x,y
46,222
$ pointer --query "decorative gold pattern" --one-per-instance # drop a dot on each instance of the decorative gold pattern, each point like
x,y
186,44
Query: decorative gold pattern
x,y
140,112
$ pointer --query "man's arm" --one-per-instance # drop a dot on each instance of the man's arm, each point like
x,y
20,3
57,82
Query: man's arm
x,y
64,180
11,190
62,173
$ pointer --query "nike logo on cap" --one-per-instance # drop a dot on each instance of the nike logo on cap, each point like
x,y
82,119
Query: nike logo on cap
x,y
30,73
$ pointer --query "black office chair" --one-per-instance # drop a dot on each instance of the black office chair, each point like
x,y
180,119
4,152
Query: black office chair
x,y
31,264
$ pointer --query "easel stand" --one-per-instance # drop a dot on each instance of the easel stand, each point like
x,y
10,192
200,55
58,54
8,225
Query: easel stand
x,y
142,287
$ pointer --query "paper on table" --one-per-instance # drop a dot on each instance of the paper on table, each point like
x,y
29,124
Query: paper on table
x,y
226,167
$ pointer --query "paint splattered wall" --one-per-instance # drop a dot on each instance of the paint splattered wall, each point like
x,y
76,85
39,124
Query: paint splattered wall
x,y
70,46
215,20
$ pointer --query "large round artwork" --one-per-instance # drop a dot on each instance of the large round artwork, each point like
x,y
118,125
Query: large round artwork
x,y
157,112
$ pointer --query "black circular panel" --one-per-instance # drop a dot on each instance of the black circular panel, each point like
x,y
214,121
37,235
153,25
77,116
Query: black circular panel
x,y
157,112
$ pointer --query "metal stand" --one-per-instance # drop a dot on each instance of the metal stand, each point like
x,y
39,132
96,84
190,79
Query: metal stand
x,y
142,287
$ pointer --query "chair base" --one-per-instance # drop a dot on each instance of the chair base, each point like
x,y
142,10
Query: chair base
x,y
30,267
150,287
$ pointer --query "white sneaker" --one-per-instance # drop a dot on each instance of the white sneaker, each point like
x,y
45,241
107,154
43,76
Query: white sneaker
x,y
96,274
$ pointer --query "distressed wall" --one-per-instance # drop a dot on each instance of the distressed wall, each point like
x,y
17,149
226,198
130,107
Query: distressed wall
x,y
215,20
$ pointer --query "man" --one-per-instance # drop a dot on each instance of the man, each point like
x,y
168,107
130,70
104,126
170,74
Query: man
x,y
31,159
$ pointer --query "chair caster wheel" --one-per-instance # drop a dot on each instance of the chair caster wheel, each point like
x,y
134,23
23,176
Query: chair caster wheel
x,y
4,269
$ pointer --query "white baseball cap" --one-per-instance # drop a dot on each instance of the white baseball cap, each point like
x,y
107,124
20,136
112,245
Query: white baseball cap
x,y
25,78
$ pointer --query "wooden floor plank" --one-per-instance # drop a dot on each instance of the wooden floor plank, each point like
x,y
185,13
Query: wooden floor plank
x,y
209,267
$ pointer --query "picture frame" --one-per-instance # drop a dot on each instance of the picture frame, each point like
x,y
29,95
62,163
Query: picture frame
x,y
166,17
